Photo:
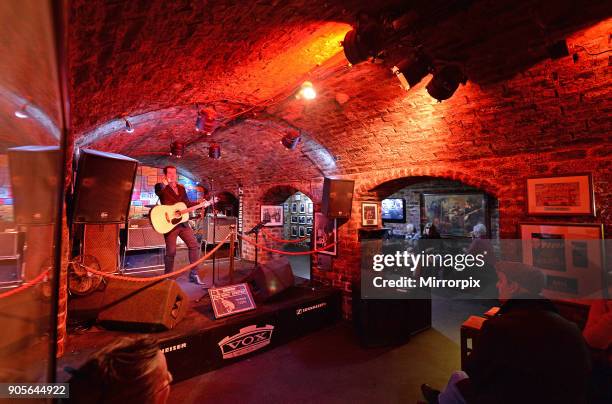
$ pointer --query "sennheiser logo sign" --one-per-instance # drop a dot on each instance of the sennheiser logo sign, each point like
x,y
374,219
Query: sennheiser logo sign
x,y
249,339
299,312
175,347
104,215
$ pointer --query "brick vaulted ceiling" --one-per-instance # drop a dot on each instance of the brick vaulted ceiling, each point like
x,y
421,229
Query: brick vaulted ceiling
x,y
152,60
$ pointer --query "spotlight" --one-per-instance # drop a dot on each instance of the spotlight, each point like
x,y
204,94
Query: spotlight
x,y
445,82
177,149
364,41
291,140
22,113
214,151
206,121
411,71
128,126
307,91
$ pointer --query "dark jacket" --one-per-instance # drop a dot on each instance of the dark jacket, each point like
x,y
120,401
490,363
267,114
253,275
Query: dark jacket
x,y
167,196
528,353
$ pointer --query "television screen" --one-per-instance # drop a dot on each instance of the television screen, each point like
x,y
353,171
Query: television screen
x,y
394,210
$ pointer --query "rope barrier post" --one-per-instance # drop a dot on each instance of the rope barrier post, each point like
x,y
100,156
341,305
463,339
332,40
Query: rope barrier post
x,y
232,240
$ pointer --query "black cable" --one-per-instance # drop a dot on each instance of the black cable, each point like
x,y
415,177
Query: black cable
x,y
592,54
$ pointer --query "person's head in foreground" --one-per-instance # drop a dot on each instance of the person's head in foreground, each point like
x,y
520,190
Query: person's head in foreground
x,y
518,279
128,370
479,231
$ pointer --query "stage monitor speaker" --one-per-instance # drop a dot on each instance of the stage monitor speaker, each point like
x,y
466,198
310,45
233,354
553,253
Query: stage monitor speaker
x,y
146,307
223,228
271,278
102,242
103,188
337,198
35,181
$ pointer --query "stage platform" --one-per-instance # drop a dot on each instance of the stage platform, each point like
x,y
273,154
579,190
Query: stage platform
x,y
201,343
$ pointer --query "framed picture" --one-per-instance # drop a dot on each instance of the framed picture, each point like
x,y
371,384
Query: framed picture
x,y
561,195
455,214
369,214
302,220
273,214
294,219
298,197
286,206
302,231
293,207
302,208
570,256
309,208
294,231
326,233
309,220
308,231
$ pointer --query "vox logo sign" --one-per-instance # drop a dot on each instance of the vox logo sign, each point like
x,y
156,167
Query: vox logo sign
x,y
249,339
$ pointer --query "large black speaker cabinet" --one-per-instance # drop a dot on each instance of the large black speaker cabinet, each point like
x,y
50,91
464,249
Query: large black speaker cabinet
x,y
103,187
35,180
271,278
146,307
387,322
337,198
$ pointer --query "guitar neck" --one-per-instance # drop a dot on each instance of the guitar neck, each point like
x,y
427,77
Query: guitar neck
x,y
194,207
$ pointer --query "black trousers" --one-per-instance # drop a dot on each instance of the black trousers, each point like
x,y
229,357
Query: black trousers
x,y
186,234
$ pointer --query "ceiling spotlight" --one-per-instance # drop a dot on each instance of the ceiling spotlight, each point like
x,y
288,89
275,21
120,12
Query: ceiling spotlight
x,y
128,126
364,41
558,49
177,149
22,113
307,91
291,140
411,71
214,151
445,82
206,121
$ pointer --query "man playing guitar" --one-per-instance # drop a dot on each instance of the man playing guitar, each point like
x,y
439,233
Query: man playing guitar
x,y
170,192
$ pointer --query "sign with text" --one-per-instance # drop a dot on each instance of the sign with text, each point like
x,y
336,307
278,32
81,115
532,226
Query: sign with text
x,y
232,299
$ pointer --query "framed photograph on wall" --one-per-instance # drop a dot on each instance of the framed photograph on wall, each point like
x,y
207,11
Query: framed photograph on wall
x,y
294,219
293,207
455,214
570,256
302,220
309,211
369,214
302,231
273,214
308,231
294,231
326,233
309,220
302,207
561,195
297,197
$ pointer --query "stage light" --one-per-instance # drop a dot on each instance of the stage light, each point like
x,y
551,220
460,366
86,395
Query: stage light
x,y
21,113
364,41
214,151
206,121
411,71
307,91
445,82
177,149
128,126
291,140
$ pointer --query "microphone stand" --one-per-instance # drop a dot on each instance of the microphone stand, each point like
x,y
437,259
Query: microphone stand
x,y
212,190
256,230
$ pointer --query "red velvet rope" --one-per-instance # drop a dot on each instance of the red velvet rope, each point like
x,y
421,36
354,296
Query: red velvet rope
x,y
280,240
26,285
263,247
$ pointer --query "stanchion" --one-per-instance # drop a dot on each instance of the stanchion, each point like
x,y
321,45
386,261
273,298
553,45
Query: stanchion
x,y
231,252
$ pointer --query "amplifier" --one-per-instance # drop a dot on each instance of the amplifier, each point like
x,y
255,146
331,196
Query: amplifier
x,y
102,241
222,230
144,238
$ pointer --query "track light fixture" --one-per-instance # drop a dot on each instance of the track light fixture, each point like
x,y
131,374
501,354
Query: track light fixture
x,y
307,91
364,41
445,82
21,113
206,120
128,126
411,71
291,139
214,151
177,149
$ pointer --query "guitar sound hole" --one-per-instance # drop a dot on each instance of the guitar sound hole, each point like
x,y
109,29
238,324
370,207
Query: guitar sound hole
x,y
175,219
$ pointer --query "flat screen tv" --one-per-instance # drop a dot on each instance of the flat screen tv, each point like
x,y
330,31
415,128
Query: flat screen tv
x,y
394,210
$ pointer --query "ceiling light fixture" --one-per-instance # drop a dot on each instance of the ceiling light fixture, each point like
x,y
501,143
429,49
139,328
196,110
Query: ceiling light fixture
x,y
214,151
177,149
128,126
364,41
411,71
206,121
307,91
445,82
22,113
291,139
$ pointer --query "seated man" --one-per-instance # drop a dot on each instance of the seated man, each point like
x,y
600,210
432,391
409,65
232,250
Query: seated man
x,y
528,353
126,371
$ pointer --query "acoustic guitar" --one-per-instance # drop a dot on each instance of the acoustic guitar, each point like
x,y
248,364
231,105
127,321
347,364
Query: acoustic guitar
x,y
166,217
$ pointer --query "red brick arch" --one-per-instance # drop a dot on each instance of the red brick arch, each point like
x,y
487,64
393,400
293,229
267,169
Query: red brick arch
x,y
277,194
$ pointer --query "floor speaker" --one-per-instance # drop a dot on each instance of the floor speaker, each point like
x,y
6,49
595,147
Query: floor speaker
x,y
102,242
145,307
337,198
103,187
35,173
271,278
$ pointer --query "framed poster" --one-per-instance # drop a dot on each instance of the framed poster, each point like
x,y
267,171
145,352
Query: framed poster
x,y
561,195
294,231
326,233
302,231
302,220
309,220
369,214
570,256
302,207
455,214
294,219
308,231
273,214
309,208
293,207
